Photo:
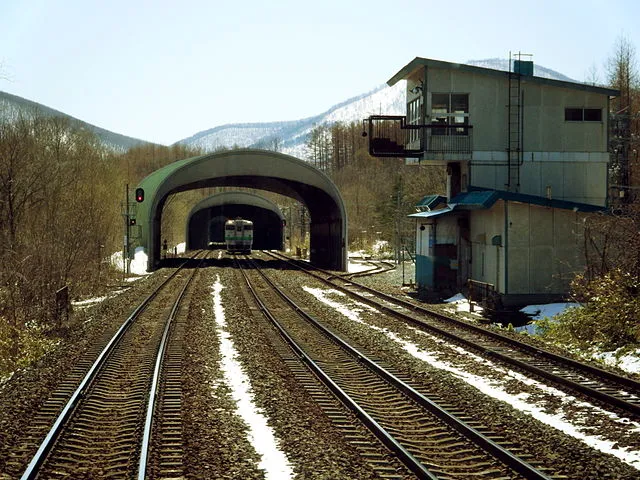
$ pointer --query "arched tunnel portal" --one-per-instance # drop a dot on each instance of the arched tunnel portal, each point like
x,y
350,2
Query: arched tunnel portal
x,y
257,169
205,223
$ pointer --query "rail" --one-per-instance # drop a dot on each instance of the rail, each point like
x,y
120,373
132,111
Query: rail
x,y
509,459
32,469
586,388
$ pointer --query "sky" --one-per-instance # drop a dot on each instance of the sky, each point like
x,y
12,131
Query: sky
x,y
163,70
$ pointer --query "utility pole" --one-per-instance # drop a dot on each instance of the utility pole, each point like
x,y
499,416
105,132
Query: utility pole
x,y
127,230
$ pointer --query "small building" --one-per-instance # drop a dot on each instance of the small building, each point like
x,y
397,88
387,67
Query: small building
x,y
528,248
526,160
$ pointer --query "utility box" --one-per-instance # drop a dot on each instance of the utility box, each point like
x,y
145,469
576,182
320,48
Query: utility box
x,y
523,67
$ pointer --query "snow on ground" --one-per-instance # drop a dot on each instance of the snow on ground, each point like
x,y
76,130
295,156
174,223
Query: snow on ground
x,y
138,264
355,260
260,434
381,247
499,388
355,267
629,361
89,301
538,312
137,267
461,304
360,254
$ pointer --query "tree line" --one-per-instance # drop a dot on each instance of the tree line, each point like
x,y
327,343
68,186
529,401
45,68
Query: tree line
x,y
55,219
61,205
609,287
378,193
62,198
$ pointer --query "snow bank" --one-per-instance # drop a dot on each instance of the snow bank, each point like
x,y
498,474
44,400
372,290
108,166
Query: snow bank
x,y
138,264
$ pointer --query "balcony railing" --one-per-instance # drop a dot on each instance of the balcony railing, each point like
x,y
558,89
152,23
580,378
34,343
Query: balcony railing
x,y
391,136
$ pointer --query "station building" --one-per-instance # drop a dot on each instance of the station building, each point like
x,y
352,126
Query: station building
x,y
527,160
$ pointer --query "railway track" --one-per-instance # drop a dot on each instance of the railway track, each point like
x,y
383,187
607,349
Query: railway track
x,y
612,391
428,440
377,268
119,419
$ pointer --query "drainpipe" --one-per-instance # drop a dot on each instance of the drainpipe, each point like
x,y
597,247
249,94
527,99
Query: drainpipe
x,y
506,247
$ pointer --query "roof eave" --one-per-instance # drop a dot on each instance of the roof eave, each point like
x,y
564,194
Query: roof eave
x,y
418,62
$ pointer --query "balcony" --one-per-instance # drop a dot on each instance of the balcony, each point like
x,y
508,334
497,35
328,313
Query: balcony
x,y
391,136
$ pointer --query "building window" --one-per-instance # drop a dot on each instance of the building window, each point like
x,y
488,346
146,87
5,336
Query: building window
x,y
414,117
583,114
450,109
592,114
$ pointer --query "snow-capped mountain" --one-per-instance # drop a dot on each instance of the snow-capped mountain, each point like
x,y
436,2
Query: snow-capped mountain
x,y
503,64
291,137
288,136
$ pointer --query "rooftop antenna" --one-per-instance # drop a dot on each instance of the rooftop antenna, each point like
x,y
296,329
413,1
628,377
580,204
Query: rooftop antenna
x,y
517,56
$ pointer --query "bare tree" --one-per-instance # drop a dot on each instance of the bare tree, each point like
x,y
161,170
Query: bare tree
x,y
622,71
55,212
592,76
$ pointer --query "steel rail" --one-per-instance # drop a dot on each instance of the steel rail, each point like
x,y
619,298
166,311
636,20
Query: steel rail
x,y
510,460
385,437
155,382
633,408
382,267
46,445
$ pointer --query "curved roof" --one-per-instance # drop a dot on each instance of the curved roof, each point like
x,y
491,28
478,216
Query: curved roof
x,y
260,169
233,198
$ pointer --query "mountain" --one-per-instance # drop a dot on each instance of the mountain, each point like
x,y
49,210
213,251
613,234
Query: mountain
x,y
291,137
10,105
503,64
286,136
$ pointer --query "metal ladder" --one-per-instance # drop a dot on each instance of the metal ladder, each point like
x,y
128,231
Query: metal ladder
x,y
514,134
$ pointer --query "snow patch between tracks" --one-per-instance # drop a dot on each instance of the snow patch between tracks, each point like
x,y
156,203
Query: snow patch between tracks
x,y
260,435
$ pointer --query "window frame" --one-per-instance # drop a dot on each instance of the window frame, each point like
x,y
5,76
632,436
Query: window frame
x,y
414,117
583,114
451,116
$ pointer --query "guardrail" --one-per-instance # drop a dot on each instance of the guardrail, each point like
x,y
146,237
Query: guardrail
x,y
392,136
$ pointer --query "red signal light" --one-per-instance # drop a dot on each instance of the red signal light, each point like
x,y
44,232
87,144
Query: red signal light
x,y
139,194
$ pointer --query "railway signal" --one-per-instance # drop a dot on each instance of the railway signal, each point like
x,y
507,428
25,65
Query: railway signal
x,y
139,195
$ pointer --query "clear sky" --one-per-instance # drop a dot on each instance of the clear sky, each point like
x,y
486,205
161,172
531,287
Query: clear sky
x,y
165,70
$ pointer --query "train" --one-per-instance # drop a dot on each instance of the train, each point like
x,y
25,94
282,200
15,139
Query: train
x,y
238,235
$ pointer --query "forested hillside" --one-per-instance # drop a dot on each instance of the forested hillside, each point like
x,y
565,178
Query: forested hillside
x,y
11,106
